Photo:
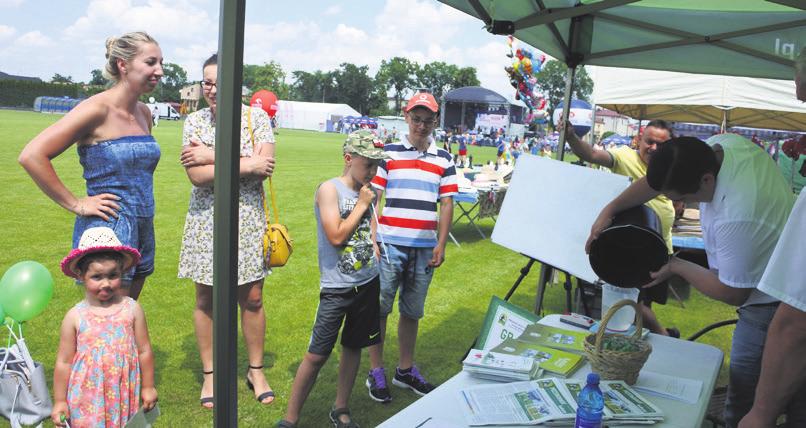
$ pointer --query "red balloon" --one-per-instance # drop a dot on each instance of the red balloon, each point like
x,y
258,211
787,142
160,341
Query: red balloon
x,y
266,100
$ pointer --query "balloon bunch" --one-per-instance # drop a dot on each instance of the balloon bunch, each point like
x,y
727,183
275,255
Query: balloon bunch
x,y
25,290
522,76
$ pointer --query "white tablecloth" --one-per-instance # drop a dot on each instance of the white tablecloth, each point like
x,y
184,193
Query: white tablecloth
x,y
669,356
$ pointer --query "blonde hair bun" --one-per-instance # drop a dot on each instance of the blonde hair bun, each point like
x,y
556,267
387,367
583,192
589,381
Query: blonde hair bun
x,y
125,48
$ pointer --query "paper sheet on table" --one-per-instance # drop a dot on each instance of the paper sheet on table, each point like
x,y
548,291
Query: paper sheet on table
x,y
517,403
676,388
143,419
437,423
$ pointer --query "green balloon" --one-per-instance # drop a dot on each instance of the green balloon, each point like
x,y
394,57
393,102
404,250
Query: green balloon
x,y
25,290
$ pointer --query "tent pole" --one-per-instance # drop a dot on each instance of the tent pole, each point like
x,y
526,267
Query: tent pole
x,y
225,227
462,119
569,89
442,114
509,118
724,127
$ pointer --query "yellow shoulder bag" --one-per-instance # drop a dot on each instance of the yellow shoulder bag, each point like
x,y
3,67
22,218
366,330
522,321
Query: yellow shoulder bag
x,y
277,241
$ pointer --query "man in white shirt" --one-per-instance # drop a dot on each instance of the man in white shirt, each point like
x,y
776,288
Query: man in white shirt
x,y
783,368
744,203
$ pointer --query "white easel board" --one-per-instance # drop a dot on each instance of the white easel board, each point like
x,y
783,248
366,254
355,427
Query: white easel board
x,y
549,209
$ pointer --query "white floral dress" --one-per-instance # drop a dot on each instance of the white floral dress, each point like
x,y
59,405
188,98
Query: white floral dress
x,y
196,255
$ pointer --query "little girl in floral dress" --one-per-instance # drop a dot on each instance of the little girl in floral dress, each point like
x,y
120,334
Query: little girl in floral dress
x,y
105,365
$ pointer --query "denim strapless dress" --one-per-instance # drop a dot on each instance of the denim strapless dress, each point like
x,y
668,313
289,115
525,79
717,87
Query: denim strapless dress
x,y
124,167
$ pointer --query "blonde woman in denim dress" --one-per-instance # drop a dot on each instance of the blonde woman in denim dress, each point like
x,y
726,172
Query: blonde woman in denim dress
x,y
196,255
116,149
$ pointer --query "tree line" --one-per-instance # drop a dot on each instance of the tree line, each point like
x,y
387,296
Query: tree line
x,y
353,85
350,84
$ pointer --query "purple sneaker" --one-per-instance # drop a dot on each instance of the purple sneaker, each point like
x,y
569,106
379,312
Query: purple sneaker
x,y
413,380
376,384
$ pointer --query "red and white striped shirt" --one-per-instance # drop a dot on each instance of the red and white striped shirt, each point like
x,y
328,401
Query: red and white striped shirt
x,y
414,182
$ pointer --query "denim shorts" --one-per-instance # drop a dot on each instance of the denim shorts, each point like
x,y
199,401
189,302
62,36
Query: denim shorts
x,y
136,232
408,271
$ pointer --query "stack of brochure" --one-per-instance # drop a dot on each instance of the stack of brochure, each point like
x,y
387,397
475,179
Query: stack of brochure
x,y
500,367
552,402
560,363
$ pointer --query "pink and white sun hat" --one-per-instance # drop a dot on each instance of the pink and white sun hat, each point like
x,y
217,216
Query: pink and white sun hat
x,y
96,240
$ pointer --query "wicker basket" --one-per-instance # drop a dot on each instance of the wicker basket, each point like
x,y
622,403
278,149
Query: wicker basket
x,y
618,365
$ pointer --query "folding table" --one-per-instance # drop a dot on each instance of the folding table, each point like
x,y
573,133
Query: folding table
x,y
669,356
471,214
482,203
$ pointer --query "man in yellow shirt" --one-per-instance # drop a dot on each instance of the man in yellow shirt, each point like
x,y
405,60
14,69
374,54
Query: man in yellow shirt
x,y
633,163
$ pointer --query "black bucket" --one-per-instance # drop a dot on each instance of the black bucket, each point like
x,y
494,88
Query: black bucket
x,y
626,252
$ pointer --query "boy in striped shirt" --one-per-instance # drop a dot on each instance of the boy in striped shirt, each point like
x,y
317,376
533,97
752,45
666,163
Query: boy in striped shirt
x,y
412,232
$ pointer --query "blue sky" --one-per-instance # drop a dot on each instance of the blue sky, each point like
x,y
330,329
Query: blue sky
x,y
43,37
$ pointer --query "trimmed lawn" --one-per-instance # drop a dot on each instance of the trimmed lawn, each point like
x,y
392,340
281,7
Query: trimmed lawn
x,y
36,229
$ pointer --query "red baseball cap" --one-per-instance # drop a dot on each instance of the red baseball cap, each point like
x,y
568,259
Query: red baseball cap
x,y
422,99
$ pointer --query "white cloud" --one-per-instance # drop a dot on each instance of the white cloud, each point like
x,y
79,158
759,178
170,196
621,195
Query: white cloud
x,y
177,21
26,54
427,32
10,3
490,60
32,39
187,30
394,32
6,32
332,10
423,31
350,35
304,45
421,21
183,28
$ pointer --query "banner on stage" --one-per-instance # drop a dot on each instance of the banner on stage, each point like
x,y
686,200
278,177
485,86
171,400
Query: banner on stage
x,y
496,121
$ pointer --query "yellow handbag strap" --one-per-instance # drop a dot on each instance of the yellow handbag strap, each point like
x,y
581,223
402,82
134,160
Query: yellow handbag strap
x,y
273,203
271,186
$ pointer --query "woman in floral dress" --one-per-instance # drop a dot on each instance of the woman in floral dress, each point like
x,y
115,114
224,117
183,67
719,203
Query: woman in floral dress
x,y
196,256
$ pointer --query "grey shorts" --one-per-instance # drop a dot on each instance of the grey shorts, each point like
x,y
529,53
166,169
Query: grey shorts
x,y
357,307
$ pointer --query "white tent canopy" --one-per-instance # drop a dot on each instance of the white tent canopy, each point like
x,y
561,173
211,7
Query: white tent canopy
x,y
757,38
311,116
754,38
699,98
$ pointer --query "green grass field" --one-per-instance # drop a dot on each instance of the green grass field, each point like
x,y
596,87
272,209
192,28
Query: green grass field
x,y
35,228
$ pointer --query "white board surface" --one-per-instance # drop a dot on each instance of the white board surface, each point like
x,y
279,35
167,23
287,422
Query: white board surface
x,y
549,209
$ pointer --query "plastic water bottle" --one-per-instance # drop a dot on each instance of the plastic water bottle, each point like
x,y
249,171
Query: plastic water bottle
x,y
590,404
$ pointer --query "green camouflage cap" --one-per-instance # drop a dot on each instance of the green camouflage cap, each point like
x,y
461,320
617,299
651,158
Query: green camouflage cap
x,y
365,143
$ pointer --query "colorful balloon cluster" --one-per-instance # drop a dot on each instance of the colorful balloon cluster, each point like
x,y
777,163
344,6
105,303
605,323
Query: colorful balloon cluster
x,y
522,77
25,290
